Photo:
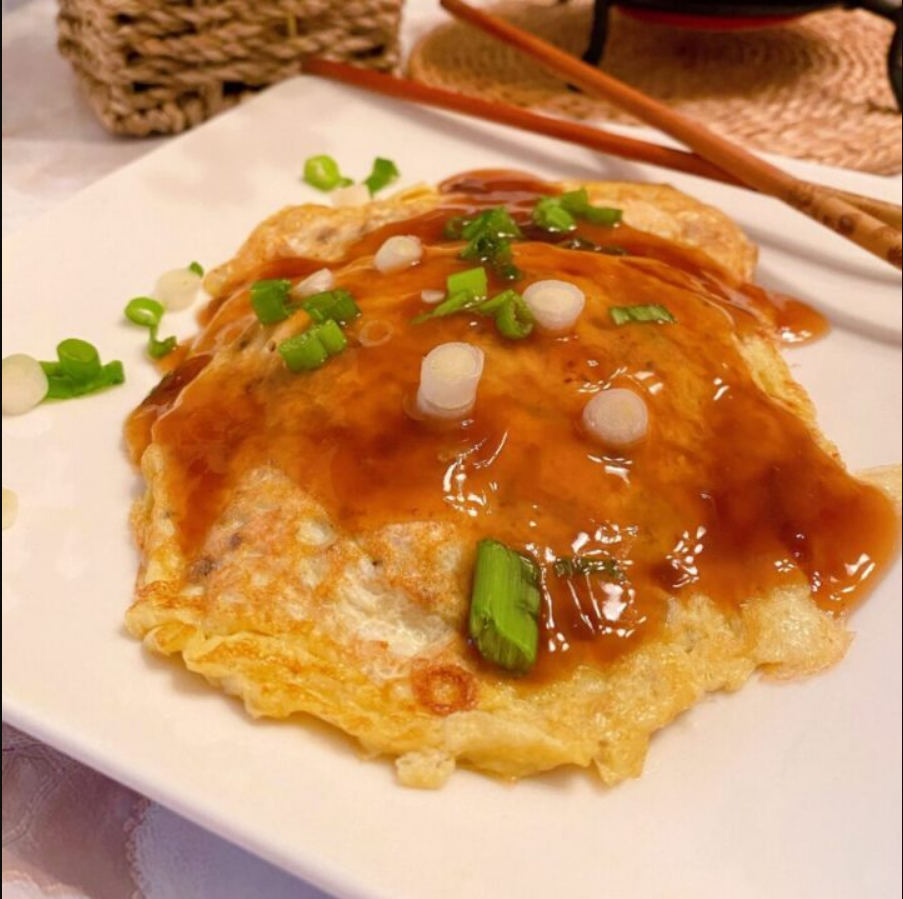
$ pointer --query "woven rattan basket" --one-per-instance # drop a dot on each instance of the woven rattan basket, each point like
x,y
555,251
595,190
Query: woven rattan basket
x,y
160,66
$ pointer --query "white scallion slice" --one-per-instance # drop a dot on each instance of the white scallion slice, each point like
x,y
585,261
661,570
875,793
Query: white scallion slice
x,y
449,377
398,253
177,289
319,282
432,297
347,197
556,305
24,384
10,508
617,418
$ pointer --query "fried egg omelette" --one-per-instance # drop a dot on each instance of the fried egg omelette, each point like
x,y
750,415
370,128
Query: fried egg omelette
x,y
309,538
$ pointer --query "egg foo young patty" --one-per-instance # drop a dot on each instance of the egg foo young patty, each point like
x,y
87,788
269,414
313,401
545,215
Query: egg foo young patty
x,y
506,539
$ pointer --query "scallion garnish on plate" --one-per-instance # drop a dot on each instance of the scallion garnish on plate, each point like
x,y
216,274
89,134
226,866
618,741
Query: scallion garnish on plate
x,y
488,237
560,214
311,348
197,268
322,172
653,312
504,607
383,174
148,313
78,371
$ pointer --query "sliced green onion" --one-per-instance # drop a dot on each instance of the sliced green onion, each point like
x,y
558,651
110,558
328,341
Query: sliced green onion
x,y
61,384
550,215
496,221
653,312
304,352
148,313
514,319
157,349
504,607
459,302
269,299
603,215
144,311
569,566
473,281
322,172
197,268
574,201
331,336
492,307
332,305
383,174
310,349
78,360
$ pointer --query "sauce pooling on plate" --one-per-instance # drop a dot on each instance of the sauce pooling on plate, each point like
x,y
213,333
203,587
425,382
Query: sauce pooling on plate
x,y
729,494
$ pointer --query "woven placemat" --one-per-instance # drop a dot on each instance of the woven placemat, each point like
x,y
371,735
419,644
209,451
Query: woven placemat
x,y
814,89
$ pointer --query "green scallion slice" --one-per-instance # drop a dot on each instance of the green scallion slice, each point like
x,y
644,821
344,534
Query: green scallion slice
x,y
473,281
62,385
653,312
603,215
514,318
383,174
197,268
304,352
551,215
157,349
459,302
504,607
332,305
78,360
269,299
332,337
322,172
144,311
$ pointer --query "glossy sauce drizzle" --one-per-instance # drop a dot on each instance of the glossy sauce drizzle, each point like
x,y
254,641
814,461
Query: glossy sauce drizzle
x,y
730,495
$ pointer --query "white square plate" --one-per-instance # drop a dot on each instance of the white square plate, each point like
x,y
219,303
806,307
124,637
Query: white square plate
x,y
786,792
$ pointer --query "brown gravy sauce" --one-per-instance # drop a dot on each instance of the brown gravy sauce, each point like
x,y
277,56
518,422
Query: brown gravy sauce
x,y
730,495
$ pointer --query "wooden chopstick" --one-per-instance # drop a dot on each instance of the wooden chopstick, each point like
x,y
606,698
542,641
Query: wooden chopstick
x,y
829,210
565,130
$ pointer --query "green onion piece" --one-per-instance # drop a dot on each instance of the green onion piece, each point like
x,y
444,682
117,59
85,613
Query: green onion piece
x,y
269,300
603,215
496,221
197,268
514,319
625,315
575,201
79,360
460,302
62,386
331,336
332,305
492,307
550,215
383,174
322,172
474,281
304,352
144,311
157,349
504,607
569,566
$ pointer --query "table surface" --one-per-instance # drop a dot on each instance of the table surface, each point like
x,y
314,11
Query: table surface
x,y
53,147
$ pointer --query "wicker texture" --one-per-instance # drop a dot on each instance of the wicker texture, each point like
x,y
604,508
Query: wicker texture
x,y
814,89
160,66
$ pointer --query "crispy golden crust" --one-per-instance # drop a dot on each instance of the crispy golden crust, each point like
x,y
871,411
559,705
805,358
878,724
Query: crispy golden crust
x,y
292,615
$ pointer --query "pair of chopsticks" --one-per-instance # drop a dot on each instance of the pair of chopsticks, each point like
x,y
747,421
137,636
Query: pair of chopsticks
x,y
872,224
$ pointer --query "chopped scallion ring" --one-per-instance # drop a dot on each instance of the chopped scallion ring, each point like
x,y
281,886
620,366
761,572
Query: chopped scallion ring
x,y
311,348
473,281
514,319
322,172
197,268
551,215
79,359
269,300
332,305
25,384
383,174
653,312
75,372
148,313
504,607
